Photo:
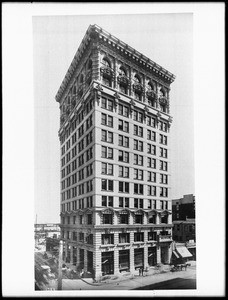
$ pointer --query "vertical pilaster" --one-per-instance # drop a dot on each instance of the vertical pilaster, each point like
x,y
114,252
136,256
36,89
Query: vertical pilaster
x,y
157,219
158,254
85,260
116,253
145,263
78,257
97,255
115,74
132,262
71,254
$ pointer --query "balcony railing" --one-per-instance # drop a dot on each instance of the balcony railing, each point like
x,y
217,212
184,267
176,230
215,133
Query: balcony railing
x,y
163,100
107,72
138,87
151,94
122,79
165,238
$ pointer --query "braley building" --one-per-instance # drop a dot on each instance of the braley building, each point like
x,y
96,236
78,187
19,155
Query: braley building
x,y
116,211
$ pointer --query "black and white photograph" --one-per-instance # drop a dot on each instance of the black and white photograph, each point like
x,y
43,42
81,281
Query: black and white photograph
x,y
118,197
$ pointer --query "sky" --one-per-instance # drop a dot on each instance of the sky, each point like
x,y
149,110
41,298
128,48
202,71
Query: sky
x,y
167,39
34,64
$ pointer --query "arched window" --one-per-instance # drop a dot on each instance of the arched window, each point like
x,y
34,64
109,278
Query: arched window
x,y
106,72
89,65
106,62
122,71
137,88
89,72
163,100
123,80
151,94
137,79
80,86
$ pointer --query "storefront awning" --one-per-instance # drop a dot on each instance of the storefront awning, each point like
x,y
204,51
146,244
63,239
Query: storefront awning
x,y
183,252
175,253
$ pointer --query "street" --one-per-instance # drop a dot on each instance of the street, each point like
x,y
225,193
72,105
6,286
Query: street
x,y
172,284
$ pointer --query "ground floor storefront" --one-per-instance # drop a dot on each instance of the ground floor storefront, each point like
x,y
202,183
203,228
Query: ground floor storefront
x,y
115,260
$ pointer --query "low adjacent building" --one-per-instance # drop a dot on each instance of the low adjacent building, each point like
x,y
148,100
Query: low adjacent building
x,y
183,208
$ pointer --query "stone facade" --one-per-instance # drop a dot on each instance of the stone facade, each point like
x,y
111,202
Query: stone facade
x,y
115,164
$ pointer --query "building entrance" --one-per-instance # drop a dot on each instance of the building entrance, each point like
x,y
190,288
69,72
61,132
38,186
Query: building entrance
x,y
165,255
107,261
138,258
74,256
89,261
152,256
124,260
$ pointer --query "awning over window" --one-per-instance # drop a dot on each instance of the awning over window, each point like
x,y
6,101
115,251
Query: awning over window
x,y
175,253
183,252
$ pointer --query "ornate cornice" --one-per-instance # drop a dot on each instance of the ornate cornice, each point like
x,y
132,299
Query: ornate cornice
x,y
97,34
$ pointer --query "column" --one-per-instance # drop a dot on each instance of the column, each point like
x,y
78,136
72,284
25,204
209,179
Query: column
x,y
65,252
130,78
132,261
144,90
97,255
116,254
157,219
71,254
85,261
78,257
158,254
115,74
145,263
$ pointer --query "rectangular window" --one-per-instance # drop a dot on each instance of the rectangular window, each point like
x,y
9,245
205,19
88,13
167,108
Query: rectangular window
x,y
139,236
138,130
151,190
123,156
138,174
138,160
107,218
138,188
138,145
163,192
106,120
107,185
163,165
163,139
107,239
138,116
106,152
106,168
107,201
151,163
107,104
123,141
106,136
164,178
123,187
124,172
151,149
123,125
124,238
151,176
123,110
151,121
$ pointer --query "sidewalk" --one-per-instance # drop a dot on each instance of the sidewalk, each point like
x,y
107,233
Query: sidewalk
x,y
127,281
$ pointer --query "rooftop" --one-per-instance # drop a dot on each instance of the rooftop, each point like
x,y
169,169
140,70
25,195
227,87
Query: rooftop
x,y
95,30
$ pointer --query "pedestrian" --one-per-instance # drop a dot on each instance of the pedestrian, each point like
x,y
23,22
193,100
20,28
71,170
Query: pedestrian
x,y
139,271
142,271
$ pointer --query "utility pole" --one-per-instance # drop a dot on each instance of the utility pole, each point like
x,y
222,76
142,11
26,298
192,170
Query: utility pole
x,y
60,265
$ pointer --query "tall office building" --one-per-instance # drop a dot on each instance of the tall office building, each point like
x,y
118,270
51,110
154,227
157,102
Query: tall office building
x,y
115,157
